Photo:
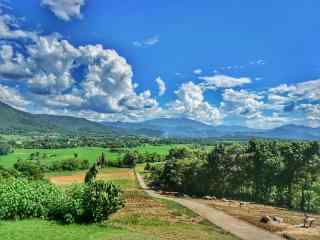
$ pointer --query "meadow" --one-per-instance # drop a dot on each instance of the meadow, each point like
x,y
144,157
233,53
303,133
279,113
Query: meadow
x,y
84,153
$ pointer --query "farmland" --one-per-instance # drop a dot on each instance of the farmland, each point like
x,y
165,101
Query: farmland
x,y
84,153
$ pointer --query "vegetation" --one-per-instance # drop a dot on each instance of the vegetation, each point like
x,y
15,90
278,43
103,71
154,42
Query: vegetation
x,y
4,149
272,172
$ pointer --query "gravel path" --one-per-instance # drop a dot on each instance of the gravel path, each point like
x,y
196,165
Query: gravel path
x,y
237,227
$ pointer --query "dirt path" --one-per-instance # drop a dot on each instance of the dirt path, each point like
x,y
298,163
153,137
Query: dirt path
x,y
239,228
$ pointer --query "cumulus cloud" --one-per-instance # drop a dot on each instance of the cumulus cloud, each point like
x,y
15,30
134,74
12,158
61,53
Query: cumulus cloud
x,y
161,86
12,97
12,65
242,102
312,112
150,41
260,121
64,9
9,29
190,103
305,90
223,81
46,70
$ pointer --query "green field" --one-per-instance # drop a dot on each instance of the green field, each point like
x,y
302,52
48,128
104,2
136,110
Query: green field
x,y
85,153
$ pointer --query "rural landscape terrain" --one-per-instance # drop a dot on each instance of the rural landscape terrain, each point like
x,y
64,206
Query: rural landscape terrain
x,y
159,120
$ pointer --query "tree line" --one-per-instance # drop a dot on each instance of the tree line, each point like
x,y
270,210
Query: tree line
x,y
272,172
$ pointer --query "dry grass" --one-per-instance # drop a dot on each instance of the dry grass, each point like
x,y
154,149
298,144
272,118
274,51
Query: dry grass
x,y
252,213
149,217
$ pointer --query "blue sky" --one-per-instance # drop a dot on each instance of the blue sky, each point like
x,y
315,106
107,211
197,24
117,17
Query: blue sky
x,y
250,63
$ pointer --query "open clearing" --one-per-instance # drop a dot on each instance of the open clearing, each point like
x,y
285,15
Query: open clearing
x,y
253,212
142,218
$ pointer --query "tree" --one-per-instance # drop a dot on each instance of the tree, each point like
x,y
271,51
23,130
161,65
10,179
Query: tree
x,y
130,159
4,149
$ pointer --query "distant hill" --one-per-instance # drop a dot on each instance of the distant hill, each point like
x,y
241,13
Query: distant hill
x,y
16,121
187,128
13,120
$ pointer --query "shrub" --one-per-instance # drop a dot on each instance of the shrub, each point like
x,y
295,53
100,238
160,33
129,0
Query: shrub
x,y
130,159
101,199
30,169
70,165
4,149
93,202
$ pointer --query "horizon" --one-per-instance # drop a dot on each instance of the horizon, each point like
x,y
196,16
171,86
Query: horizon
x,y
223,63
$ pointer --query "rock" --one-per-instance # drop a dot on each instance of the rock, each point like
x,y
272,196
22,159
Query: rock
x,y
266,219
207,198
277,219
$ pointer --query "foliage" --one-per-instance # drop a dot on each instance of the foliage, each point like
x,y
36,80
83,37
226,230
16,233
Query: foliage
x,y
91,174
274,172
5,149
130,159
69,165
27,199
30,169
87,203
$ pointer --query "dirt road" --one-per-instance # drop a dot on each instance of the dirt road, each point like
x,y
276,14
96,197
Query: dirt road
x,y
239,228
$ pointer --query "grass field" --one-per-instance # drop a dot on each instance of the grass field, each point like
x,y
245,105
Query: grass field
x,y
85,153
142,218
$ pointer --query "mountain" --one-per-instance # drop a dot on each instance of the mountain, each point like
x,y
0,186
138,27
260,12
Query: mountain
x,y
16,121
13,120
293,132
187,128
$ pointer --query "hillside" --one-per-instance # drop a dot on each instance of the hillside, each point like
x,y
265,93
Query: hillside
x,y
15,121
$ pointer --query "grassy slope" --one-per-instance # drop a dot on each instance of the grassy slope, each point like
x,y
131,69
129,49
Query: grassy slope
x,y
87,153
142,218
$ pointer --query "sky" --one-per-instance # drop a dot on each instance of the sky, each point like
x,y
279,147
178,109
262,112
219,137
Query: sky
x,y
224,62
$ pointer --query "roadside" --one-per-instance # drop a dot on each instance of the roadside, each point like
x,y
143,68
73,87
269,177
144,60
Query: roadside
x,y
226,222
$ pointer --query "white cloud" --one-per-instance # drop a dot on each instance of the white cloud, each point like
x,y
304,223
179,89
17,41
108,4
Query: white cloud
x,y
161,86
64,9
197,71
260,121
12,65
150,41
46,71
242,102
9,28
190,103
223,81
312,112
309,90
12,97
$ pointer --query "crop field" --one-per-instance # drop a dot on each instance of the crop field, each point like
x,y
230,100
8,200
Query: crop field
x,y
84,153
142,218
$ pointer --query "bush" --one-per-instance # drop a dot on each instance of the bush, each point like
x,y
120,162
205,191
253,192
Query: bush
x,y
93,202
101,199
8,173
30,169
4,149
130,159
70,165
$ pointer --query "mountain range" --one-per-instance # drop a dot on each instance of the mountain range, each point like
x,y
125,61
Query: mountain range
x,y
13,120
